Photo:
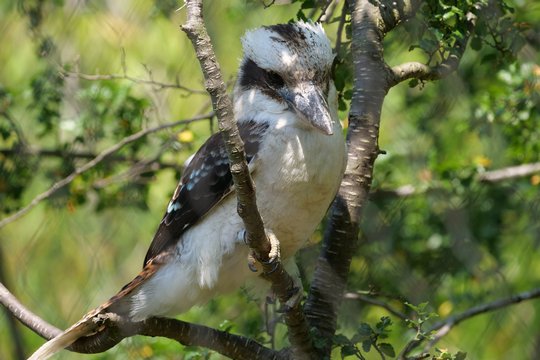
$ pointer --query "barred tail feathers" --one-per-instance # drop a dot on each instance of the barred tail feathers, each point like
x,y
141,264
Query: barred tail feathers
x,y
83,327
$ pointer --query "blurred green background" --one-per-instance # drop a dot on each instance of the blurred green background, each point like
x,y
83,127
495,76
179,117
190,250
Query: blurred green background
x,y
455,243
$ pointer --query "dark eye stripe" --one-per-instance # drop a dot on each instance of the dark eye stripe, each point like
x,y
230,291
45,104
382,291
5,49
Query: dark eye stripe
x,y
274,80
252,76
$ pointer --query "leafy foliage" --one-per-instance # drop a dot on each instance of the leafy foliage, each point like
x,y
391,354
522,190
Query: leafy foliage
x,y
514,105
453,241
367,338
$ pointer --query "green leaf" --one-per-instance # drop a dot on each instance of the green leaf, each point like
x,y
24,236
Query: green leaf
x,y
301,16
348,350
366,345
387,349
364,332
308,4
341,339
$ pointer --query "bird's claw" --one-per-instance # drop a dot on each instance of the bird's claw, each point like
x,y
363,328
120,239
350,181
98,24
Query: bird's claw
x,y
252,262
273,255
274,262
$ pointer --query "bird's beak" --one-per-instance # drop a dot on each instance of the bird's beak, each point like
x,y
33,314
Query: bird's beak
x,y
308,101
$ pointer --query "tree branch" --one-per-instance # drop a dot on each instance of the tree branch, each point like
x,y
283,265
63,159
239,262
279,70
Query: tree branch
x,y
341,237
339,31
372,301
117,329
25,316
508,173
447,66
394,12
230,345
443,327
282,283
92,163
156,84
63,153
492,177
417,70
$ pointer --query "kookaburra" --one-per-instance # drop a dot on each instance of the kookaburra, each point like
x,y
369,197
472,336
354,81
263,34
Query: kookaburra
x,y
285,105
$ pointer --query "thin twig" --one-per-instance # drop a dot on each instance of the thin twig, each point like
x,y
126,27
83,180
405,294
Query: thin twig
x,y
443,327
92,163
152,82
325,14
341,26
74,154
373,301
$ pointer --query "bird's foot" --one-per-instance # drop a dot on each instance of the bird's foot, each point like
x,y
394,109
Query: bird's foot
x,y
273,256
295,296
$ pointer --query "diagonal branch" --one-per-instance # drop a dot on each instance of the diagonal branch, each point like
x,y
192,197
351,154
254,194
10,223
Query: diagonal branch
x,y
282,283
92,163
25,316
371,300
443,327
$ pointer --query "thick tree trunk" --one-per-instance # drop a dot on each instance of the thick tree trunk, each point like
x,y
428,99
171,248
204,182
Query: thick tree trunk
x,y
341,238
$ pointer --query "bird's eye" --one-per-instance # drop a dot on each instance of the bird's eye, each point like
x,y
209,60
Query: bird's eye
x,y
274,80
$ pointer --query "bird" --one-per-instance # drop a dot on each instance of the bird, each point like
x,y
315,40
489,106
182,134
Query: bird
x,y
286,109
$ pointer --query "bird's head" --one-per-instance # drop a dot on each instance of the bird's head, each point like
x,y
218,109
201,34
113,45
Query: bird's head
x,y
288,68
